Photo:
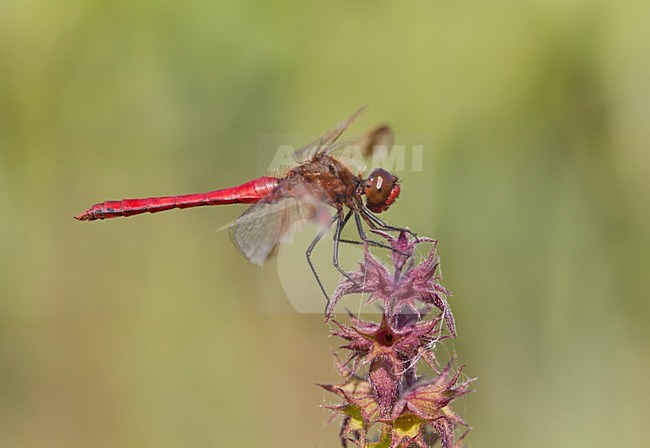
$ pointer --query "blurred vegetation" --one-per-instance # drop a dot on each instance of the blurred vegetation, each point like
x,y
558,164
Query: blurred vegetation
x,y
146,332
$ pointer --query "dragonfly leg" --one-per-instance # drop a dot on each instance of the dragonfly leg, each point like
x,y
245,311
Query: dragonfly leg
x,y
337,239
360,243
364,237
310,249
346,241
374,222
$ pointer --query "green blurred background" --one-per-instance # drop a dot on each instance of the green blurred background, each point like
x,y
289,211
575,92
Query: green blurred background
x,y
146,332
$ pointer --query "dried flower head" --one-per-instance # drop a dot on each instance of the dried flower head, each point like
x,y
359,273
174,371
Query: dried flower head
x,y
410,289
381,391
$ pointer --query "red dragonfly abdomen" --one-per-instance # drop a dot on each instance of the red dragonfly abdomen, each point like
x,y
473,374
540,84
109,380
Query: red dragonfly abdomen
x,y
247,193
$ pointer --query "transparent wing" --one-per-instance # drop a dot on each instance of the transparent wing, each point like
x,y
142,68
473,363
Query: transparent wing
x,y
322,144
379,138
266,224
377,141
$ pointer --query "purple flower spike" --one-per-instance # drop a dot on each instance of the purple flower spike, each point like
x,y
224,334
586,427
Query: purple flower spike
x,y
382,388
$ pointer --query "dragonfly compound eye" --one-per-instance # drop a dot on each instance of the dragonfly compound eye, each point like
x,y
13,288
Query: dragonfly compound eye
x,y
381,190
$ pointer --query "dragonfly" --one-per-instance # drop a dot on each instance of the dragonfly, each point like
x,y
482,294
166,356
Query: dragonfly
x,y
307,192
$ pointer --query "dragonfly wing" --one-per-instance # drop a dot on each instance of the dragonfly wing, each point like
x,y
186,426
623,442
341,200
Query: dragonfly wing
x,y
379,138
374,143
325,141
266,224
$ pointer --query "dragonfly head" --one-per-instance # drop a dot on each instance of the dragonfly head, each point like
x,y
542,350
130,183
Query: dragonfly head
x,y
381,190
